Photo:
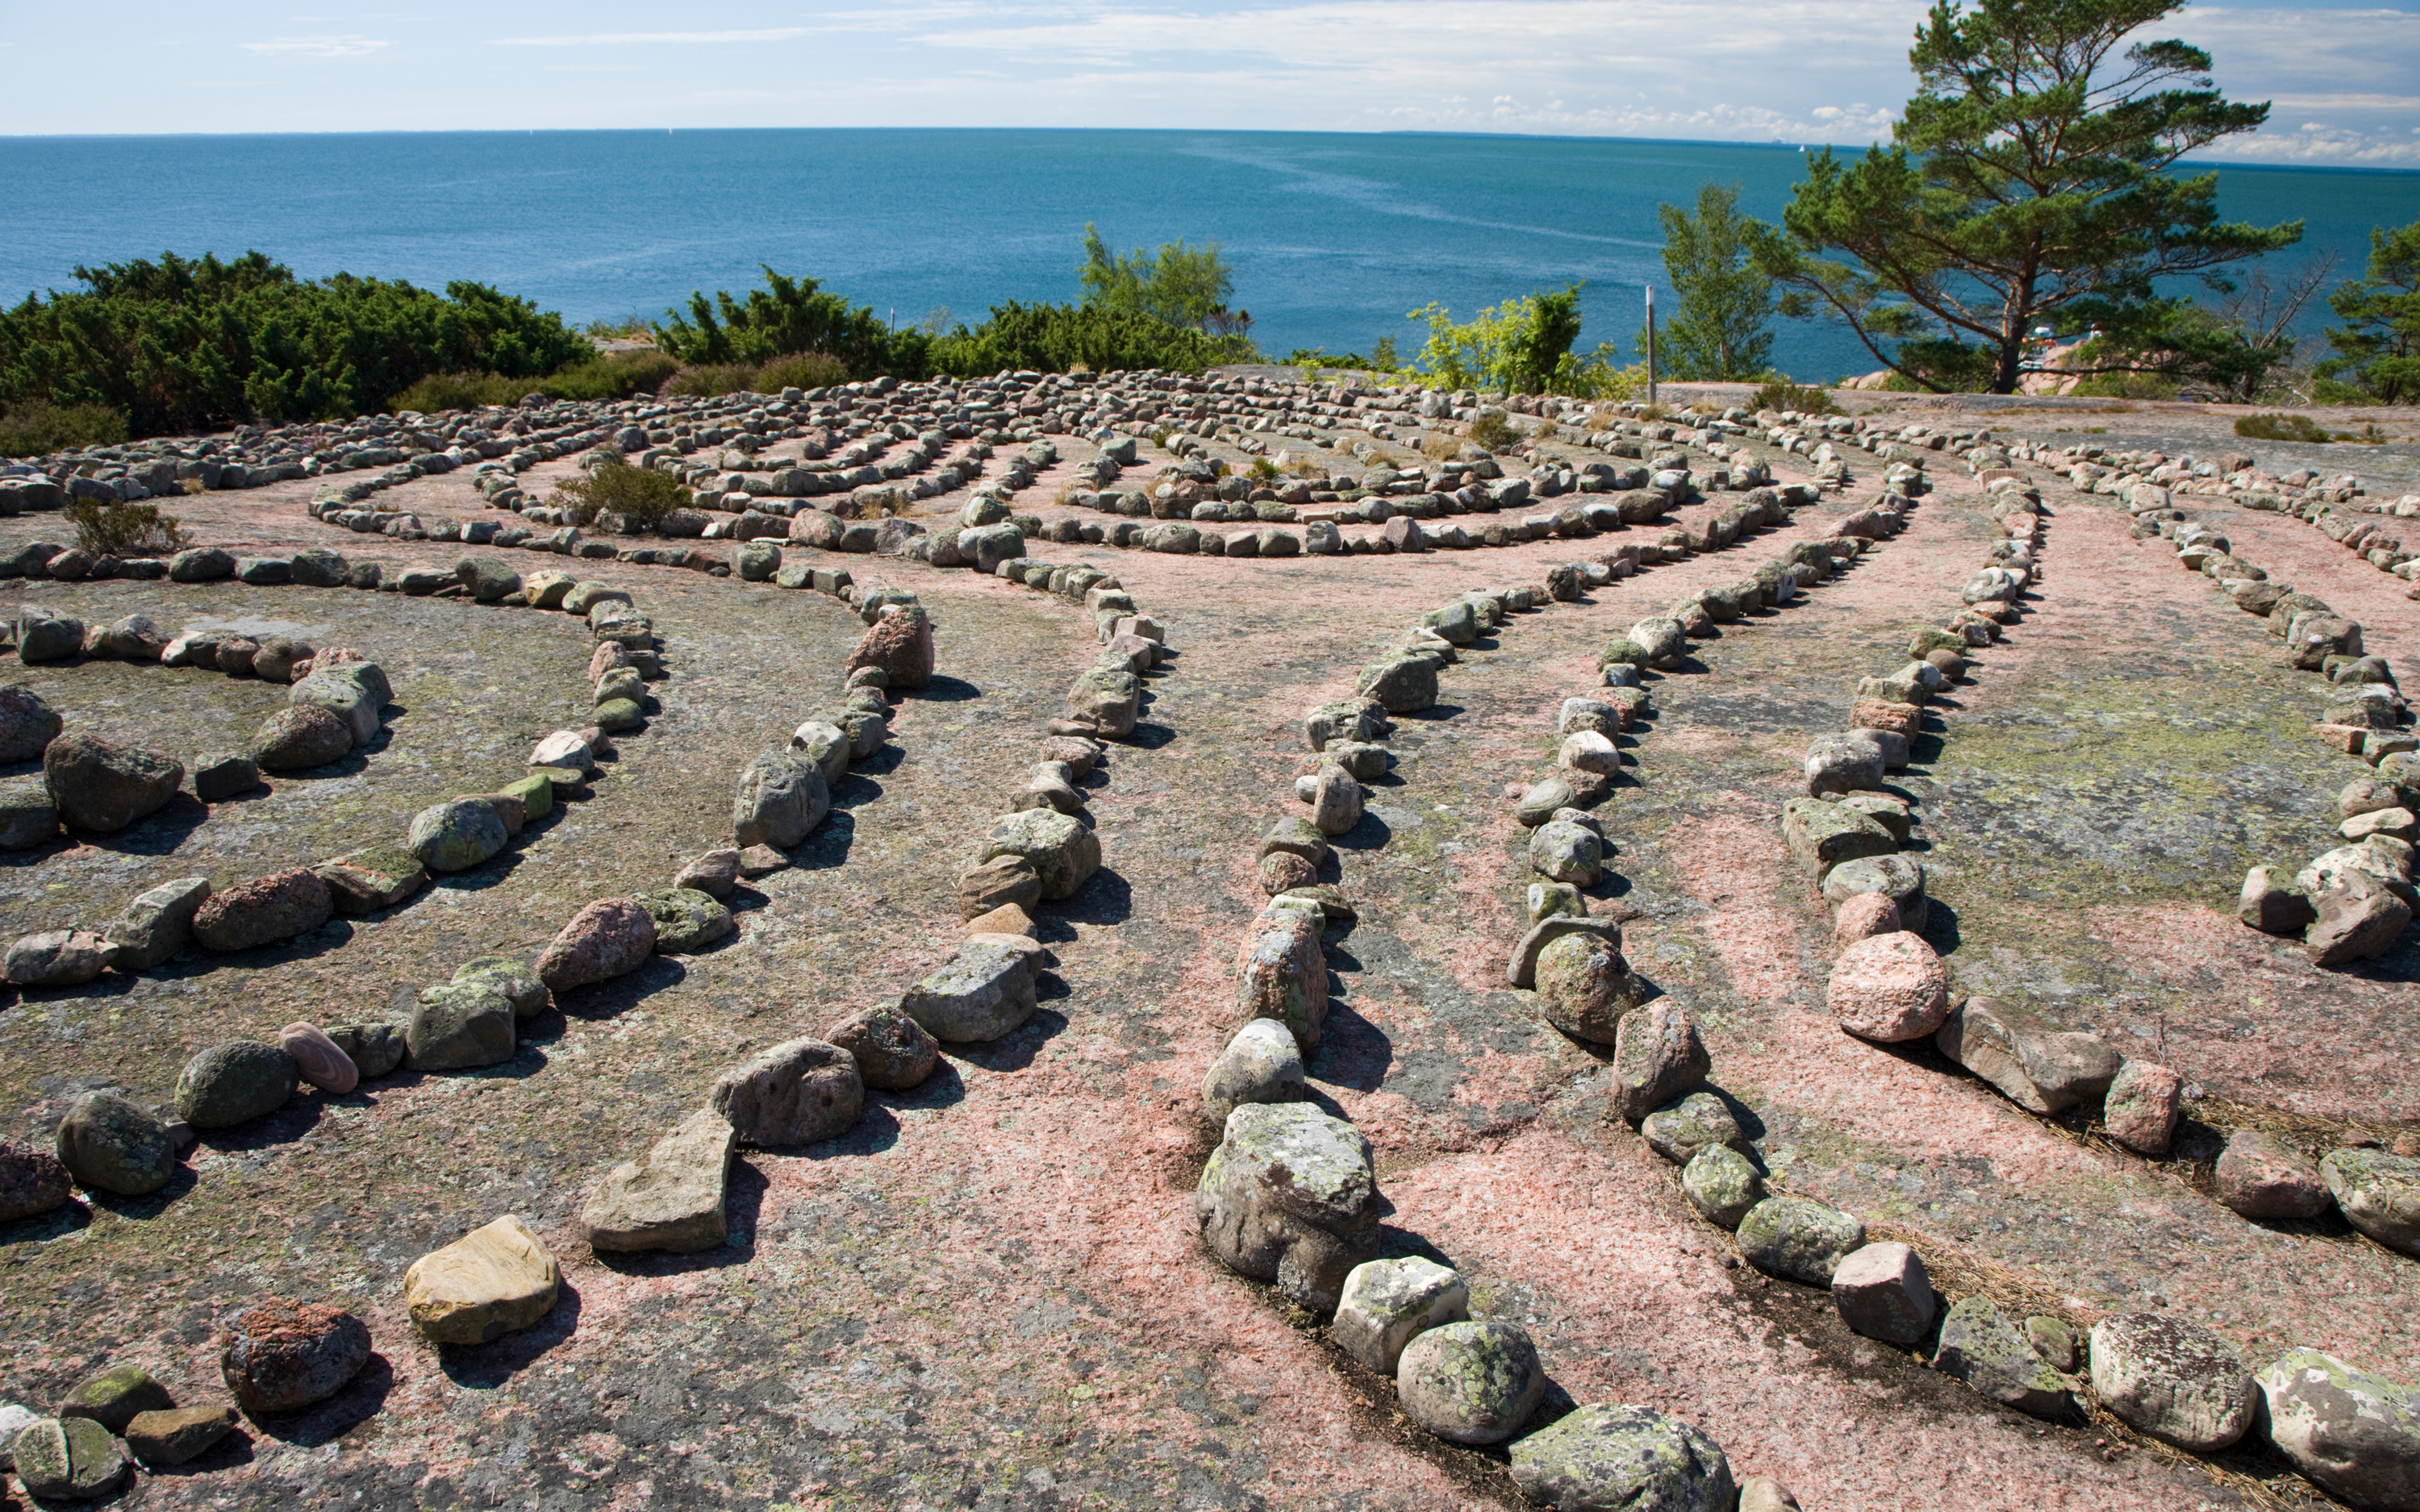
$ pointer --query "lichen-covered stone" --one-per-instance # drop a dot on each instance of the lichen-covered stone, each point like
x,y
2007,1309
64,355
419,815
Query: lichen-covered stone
x,y
110,1145
111,1397
459,1025
67,1459
1262,1063
299,737
799,1092
1657,1057
1282,974
2173,1380
1800,1239
685,920
781,799
1290,1196
1677,1130
1980,1348
1723,1185
983,991
1622,1459
1386,1304
234,1083
457,835
2357,1434
1585,985
1820,836
1063,850
1470,1382
2377,1193
102,786
893,1053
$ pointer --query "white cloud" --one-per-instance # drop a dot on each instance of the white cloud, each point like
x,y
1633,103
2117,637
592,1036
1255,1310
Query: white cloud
x,y
317,46
769,34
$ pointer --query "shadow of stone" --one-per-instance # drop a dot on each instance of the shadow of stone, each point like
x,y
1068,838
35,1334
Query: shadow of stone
x,y
158,833
1016,1049
44,1227
298,1117
942,689
943,1088
485,1366
1106,898
829,847
1353,1052
363,1398
149,1205
609,999
1370,834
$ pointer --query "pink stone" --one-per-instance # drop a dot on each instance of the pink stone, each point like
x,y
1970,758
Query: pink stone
x,y
1889,988
316,1056
902,646
1865,916
2140,1110
608,655
605,940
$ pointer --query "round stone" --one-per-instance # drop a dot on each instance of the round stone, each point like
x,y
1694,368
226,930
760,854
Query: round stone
x,y
1899,879
456,835
301,736
1864,916
110,1145
1889,988
234,1083
32,1181
102,786
1470,1382
281,1356
1584,987
892,1051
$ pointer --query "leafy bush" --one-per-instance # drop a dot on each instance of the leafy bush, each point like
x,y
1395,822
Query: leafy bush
x,y
1783,394
1058,338
1493,431
786,317
2281,427
709,381
801,370
1182,285
33,429
181,345
1523,346
608,485
617,375
1263,470
119,528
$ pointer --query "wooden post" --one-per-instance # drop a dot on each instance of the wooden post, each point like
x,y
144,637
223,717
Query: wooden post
x,y
1651,344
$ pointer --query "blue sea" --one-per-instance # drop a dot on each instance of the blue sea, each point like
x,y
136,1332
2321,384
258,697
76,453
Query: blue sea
x,y
1333,237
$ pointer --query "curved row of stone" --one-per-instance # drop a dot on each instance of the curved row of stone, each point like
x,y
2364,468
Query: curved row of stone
x,y
1290,1196
499,1277
2172,1380
2352,902
98,785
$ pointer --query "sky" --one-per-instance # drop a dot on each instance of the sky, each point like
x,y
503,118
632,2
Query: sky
x,y
2345,79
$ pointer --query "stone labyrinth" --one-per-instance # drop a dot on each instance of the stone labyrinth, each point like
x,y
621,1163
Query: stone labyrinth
x,y
1691,960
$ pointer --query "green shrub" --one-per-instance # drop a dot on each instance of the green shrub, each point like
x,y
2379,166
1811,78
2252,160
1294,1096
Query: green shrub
x,y
1784,394
185,346
2281,427
119,528
1264,470
1060,338
615,377
33,429
709,381
608,485
1494,432
801,370
786,317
